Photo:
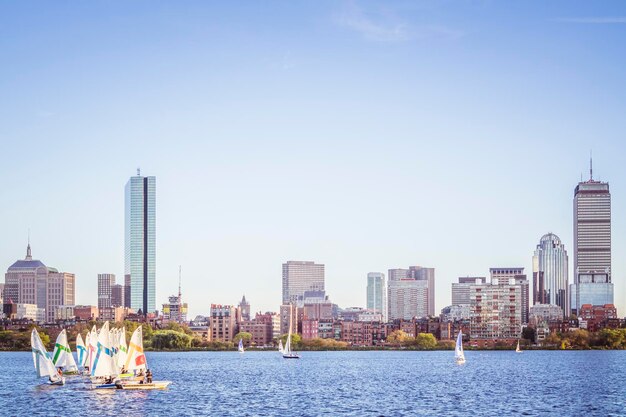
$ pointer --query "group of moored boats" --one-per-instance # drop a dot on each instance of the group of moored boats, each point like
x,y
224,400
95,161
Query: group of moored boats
x,y
103,356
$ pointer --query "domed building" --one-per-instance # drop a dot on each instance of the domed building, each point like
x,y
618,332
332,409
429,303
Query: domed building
x,y
30,281
550,272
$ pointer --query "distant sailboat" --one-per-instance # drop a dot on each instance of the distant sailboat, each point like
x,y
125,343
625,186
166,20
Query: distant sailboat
x,y
280,347
62,355
517,349
287,353
240,348
459,356
43,363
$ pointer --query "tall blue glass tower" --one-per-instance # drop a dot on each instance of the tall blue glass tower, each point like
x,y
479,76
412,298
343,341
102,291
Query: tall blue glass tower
x,y
140,242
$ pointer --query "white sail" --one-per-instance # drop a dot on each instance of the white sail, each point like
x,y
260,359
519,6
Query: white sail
x,y
43,363
122,349
92,346
517,349
81,350
103,356
240,348
280,346
287,349
62,355
459,356
135,358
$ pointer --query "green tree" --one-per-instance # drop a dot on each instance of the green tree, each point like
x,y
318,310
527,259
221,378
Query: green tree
x,y
528,333
170,339
425,341
296,340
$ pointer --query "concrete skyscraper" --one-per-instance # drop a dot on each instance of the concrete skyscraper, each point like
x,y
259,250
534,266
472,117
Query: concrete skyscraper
x,y
377,293
415,273
105,285
550,273
592,244
301,276
140,242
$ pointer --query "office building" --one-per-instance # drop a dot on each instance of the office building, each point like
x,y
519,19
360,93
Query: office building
x,y
140,242
118,295
105,282
29,281
461,289
545,312
127,290
175,310
301,276
377,293
550,273
407,298
415,273
592,245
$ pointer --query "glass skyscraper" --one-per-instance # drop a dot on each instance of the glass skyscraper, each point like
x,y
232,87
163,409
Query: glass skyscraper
x,y
550,273
377,293
140,242
592,245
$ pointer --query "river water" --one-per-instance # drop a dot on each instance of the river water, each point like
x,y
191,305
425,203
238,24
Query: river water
x,y
554,383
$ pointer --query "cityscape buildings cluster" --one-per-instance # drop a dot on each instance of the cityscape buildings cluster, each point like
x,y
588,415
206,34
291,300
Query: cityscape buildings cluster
x,y
493,308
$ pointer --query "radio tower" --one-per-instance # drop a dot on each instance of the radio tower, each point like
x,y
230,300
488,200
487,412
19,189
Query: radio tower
x,y
180,297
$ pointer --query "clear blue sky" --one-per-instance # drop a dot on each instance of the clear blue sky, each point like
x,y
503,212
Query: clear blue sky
x,y
362,135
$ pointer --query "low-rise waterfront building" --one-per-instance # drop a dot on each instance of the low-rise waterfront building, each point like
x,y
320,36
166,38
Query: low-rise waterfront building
x,y
224,322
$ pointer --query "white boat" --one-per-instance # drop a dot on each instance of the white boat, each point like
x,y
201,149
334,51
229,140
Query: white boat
x,y
517,349
103,371
136,362
240,348
280,347
287,353
62,357
43,363
459,356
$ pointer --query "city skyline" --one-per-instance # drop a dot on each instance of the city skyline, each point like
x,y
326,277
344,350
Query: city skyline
x,y
318,140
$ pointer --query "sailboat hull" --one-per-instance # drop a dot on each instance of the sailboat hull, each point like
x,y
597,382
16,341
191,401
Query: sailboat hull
x,y
460,361
151,386
291,356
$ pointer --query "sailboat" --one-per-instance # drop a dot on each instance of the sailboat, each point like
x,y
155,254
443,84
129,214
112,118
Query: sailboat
x,y
517,349
103,370
81,351
280,347
121,357
287,353
43,363
92,344
459,356
62,355
240,348
136,361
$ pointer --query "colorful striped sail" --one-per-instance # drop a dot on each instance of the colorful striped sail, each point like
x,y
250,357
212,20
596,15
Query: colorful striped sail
x,y
62,355
41,359
136,359
81,350
122,349
103,356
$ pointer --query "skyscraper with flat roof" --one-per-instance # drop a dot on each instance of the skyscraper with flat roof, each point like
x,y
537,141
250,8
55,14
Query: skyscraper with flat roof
x,y
592,244
301,276
140,242
105,286
377,293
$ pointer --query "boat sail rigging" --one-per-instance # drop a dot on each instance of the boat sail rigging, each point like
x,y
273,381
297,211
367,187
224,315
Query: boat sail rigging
x,y
459,355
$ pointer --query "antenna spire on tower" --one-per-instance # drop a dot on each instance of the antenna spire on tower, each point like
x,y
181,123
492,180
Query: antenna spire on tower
x,y
591,165
180,297
28,253
138,172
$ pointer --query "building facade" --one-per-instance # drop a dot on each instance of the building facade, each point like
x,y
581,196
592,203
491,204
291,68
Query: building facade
x,y
175,310
301,276
461,289
377,293
495,311
407,298
515,275
29,281
592,245
550,273
105,283
244,307
140,242
118,295
224,322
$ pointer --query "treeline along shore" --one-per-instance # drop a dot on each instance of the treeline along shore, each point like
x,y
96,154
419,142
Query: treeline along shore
x,y
176,337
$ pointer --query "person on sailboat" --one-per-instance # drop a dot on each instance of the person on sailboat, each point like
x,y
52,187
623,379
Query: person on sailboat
x,y
149,376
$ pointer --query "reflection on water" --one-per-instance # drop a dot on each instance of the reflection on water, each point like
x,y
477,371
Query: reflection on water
x,y
338,383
